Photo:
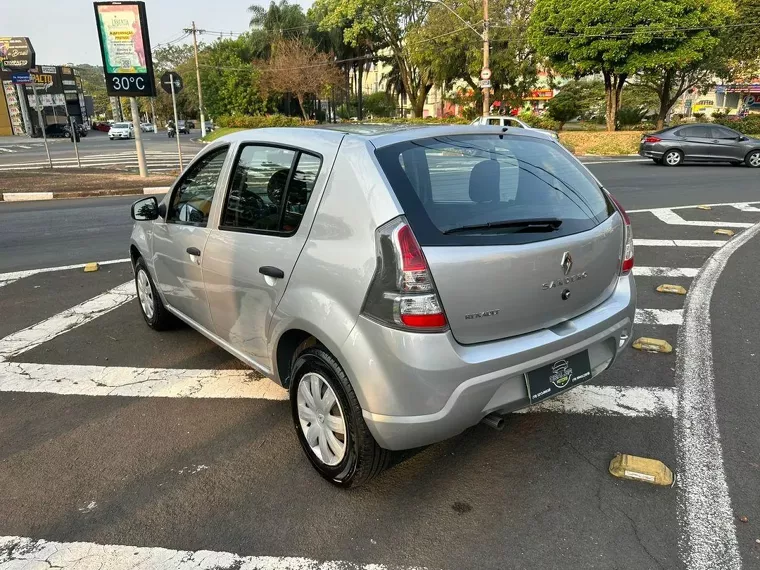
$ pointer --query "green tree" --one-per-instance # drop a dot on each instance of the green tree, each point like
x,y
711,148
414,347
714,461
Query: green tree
x,y
741,43
565,106
390,21
380,104
94,84
618,38
280,20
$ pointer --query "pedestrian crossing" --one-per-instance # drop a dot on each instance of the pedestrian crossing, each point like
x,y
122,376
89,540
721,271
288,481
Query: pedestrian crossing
x,y
156,161
602,398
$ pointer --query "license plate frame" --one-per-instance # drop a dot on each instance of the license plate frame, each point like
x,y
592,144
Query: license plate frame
x,y
557,377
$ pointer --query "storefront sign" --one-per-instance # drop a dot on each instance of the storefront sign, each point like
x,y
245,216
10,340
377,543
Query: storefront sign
x,y
16,54
125,48
14,109
21,78
47,69
540,95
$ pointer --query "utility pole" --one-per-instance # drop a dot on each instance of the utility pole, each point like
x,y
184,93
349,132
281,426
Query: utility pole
x,y
194,30
486,57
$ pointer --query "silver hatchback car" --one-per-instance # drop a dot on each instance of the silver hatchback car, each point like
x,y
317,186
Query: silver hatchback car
x,y
402,284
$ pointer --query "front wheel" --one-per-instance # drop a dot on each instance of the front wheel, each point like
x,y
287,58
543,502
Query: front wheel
x,y
329,422
672,158
151,306
753,159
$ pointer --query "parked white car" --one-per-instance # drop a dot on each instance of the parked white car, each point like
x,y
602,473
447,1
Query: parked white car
x,y
121,131
146,127
504,121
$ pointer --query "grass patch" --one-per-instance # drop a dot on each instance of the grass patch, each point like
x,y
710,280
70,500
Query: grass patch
x,y
601,143
220,132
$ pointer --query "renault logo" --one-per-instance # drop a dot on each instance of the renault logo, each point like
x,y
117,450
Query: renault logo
x,y
567,262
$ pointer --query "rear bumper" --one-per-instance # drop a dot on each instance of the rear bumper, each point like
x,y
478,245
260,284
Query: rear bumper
x,y
419,389
650,151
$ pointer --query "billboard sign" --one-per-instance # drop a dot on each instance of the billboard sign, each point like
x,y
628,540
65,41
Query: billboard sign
x,y
16,54
125,49
21,78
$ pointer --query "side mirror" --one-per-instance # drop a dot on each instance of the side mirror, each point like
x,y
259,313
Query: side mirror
x,y
145,209
742,138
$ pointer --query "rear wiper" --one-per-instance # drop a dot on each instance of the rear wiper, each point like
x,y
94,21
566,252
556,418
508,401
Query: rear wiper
x,y
537,225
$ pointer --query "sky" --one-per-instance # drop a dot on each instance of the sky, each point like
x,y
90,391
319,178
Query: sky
x,y
63,31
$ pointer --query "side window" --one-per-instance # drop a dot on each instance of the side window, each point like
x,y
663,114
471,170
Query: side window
x,y
723,133
696,132
266,194
496,122
512,123
191,203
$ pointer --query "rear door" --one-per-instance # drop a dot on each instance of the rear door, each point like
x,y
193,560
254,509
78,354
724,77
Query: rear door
x,y
697,142
249,258
560,258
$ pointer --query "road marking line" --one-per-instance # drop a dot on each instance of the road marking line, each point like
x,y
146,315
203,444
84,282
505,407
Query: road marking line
x,y
670,217
659,316
33,336
614,161
655,272
27,553
678,243
23,146
693,206
8,278
745,207
6,149
708,535
87,380
627,401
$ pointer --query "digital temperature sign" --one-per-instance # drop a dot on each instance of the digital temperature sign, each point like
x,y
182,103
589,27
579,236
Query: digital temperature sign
x,y
125,48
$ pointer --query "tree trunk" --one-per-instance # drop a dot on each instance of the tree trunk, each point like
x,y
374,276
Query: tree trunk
x,y
359,110
613,87
300,104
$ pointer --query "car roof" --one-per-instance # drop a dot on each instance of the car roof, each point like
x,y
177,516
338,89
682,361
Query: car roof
x,y
379,135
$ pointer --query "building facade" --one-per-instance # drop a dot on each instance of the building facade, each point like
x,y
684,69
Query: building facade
x,y
60,94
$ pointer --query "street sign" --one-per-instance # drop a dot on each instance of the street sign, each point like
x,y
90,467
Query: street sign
x,y
166,82
16,54
485,73
125,49
485,83
21,78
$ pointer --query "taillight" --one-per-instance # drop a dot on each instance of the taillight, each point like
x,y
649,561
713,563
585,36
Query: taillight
x,y
651,139
402,293
627,264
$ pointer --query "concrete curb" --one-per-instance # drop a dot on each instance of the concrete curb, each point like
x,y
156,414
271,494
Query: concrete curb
x,y
34,196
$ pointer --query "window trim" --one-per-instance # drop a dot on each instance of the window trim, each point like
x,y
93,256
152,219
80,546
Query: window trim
x,y
293,163
181,179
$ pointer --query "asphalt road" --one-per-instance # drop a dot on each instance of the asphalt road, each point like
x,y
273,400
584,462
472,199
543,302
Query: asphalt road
x,y
190,473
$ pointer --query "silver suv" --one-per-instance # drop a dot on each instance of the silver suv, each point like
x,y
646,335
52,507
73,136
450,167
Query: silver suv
x,y
402,284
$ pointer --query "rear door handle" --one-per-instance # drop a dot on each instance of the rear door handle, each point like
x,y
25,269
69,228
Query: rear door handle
x,y
270,271
194,251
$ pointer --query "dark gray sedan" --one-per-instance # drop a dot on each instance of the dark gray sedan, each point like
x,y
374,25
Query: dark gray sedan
x,y
700,143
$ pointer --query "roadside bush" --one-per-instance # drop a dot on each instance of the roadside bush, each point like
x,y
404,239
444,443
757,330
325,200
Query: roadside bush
x,y
631,115
539,122
261,121
422,121
470,113
379,104
645,126
699,116
747,125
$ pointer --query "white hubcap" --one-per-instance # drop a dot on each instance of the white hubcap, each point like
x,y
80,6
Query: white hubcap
x,y
145,293
321,417
673,158
754,159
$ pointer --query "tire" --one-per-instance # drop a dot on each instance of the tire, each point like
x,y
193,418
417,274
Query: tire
x,y
753,159
672,157
360,458
152,308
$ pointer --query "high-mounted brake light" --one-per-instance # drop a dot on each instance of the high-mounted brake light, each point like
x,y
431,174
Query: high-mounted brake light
x,y
402,293
652,139
626,266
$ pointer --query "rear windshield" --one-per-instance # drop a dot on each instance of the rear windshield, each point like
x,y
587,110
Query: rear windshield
x,y
491,189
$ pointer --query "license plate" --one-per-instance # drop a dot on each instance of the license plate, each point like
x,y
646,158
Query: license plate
x,y
558,376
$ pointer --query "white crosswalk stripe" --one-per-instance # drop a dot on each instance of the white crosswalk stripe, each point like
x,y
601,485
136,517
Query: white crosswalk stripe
x,y
670,217
656,272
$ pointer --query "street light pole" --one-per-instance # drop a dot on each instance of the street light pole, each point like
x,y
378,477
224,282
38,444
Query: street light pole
x,y
486,57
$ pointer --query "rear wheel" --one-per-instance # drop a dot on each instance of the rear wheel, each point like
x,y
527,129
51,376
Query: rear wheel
x,y
753,159
152,308
329,422
672,158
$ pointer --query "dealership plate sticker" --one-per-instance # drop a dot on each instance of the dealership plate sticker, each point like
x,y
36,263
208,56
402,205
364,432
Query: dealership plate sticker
x,y
558,376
